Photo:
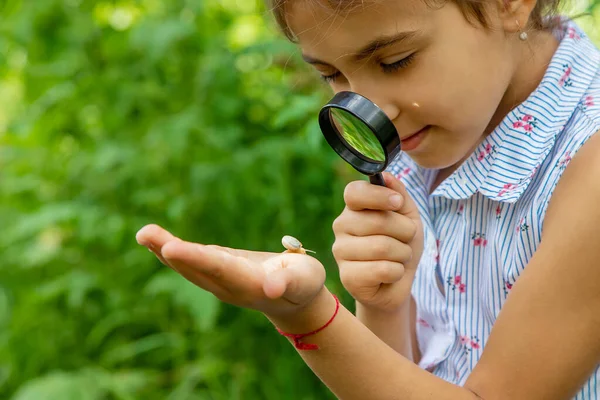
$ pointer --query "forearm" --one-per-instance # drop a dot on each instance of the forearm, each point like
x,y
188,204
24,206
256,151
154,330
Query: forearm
x,y
356,365
395,328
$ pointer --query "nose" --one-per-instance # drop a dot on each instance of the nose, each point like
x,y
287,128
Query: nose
x,y
391,110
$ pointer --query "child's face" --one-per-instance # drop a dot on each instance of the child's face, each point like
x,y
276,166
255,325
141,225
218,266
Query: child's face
x,y
452,80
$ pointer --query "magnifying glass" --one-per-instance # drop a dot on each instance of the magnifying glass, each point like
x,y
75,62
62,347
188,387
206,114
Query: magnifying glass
x,y
360,132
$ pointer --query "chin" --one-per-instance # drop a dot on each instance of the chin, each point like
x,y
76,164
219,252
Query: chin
x,y
435,159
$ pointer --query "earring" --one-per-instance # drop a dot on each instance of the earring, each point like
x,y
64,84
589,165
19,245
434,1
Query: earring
x,y
523,35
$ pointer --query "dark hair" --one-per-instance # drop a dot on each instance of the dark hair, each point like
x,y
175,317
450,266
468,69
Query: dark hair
x,y
473,10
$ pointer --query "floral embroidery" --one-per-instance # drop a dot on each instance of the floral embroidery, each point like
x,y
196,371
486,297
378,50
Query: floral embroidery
x,y
457,283
589,101
586,103
405,172
423,323
573,34
479,239
565,160
534,171
489,149
527,123
565,79
498,211
507,287
461,208
522,226
506,189
437,246
470,344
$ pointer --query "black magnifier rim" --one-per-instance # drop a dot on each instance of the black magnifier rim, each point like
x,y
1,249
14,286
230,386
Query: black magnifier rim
x,y
370,115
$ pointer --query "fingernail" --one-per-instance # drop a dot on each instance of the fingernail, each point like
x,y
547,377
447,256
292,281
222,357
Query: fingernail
x,y
396,200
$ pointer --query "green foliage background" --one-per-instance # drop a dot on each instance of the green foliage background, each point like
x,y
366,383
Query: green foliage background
x,y
194,114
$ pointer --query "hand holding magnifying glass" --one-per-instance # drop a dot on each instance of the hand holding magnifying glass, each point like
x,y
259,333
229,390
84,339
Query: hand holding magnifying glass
x,y
360,133
363,135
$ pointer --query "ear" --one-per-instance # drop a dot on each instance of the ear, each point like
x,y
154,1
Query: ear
x,y
515,14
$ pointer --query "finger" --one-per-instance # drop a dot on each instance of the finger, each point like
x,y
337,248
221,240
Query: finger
x,y
362,195
255,256
223,268
372,248
356,275
201,280
370,223
277,282
154,237
408,207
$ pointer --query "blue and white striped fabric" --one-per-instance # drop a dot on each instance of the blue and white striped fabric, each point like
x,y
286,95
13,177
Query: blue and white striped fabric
x,y
484,222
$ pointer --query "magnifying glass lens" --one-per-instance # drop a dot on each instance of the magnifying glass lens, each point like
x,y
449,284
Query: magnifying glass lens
x,y
361,133
357,135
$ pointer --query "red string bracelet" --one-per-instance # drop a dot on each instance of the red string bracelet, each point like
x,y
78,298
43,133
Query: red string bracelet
x,y
298,336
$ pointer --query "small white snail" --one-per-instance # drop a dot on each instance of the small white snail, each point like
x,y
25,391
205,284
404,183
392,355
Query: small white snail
x,y
293,245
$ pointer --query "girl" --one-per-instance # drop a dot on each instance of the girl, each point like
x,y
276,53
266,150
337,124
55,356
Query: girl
x,y
475,271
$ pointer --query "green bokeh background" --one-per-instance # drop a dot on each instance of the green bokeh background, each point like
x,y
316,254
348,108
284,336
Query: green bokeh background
x,y
193,114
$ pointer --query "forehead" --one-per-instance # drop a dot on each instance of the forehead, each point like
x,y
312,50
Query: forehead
x,y
320,26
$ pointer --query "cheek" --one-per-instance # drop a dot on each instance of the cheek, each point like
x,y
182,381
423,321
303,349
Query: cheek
x,y
459,98
461,90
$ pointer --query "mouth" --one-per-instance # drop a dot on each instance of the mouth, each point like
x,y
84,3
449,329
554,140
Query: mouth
x,y
413,141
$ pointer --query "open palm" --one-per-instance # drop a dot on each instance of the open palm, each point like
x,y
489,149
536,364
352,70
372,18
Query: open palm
x,y
274,283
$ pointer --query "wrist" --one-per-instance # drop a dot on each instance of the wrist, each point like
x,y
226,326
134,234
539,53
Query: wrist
x,y
309,317
393,326
377,311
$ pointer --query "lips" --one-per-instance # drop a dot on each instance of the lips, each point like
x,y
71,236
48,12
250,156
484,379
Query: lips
x,y
413,141
414,134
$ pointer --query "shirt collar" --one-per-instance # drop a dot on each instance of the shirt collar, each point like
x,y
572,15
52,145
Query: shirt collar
x,y
504,164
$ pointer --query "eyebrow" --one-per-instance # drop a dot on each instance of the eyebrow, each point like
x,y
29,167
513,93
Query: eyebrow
x,y
378,43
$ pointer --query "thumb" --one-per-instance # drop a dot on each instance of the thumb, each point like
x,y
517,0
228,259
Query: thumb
x,y
277,282
295,277
409,207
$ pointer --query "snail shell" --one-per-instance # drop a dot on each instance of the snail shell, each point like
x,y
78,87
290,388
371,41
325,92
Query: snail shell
x,y
293,245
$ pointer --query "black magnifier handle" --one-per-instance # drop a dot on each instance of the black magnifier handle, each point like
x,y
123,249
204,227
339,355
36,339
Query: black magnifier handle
x,y
377,179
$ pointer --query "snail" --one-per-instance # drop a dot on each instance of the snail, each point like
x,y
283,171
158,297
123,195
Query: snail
x,y
293,245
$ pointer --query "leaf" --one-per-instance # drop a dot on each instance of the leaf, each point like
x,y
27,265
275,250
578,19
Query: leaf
x,y
297,110
129,351
156,37
203,306
86,384
126,385
60,386
74,285
30,225
5,308
103,328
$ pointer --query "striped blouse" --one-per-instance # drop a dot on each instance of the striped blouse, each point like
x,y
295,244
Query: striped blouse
x,y
484,222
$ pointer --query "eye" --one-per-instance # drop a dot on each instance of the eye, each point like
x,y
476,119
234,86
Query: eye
x,y
387,68
393,67
330,78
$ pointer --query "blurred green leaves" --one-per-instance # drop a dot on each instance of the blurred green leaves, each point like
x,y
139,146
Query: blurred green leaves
x,y
117,114
193,114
